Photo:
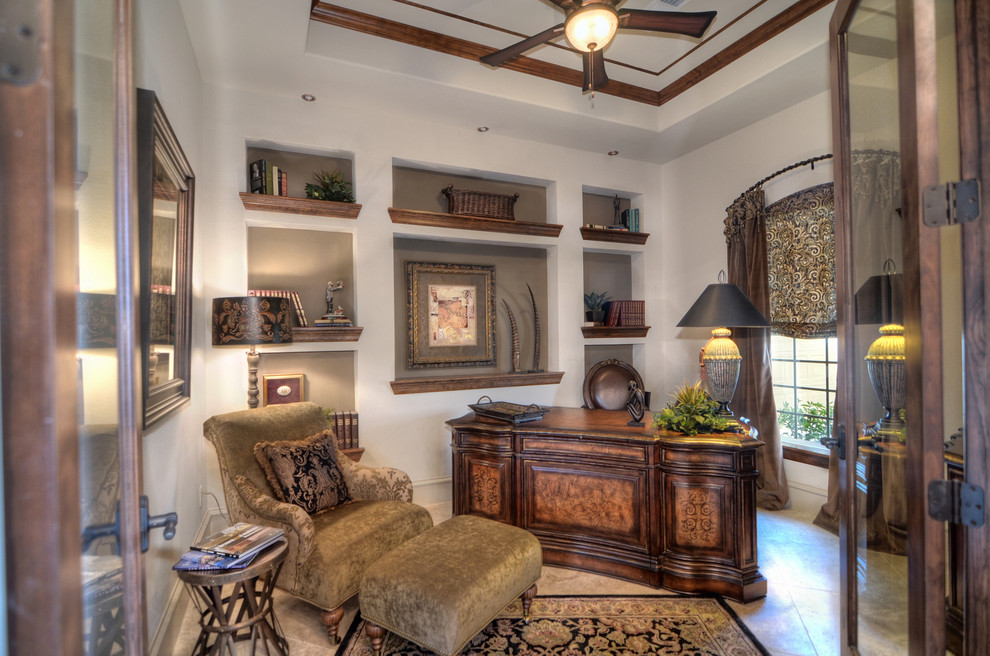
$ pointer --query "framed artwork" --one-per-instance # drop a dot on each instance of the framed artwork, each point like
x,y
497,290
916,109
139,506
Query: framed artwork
x,y
282,388
451,315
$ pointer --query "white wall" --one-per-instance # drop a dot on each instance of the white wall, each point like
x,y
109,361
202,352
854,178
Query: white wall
x,y
173,450
697,190
403,430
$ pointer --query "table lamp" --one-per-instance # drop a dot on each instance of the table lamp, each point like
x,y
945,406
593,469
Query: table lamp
x,y
880,300
252,320
722,305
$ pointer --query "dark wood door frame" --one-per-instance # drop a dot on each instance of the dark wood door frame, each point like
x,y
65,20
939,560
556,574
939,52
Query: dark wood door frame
x,y
37,285
973,25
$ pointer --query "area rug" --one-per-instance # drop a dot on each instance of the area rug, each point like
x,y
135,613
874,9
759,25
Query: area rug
x,y
572,626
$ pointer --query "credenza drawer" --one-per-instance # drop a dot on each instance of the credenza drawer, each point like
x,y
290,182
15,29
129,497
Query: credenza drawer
x,y
467,440
584,448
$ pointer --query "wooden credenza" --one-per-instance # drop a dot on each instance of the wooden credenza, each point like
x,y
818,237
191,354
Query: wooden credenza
x,y
666,510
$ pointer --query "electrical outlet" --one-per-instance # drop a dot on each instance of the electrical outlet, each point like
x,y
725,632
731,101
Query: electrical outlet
x,y
202,493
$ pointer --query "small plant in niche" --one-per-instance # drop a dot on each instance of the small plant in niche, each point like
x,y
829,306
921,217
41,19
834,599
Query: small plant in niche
x,y
693,411
330,185
595,302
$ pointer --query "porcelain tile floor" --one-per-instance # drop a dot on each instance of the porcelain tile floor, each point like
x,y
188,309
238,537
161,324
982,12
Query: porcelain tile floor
x,y
798,617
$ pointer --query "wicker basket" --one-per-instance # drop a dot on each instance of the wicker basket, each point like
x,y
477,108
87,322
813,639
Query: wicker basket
x,y
480,203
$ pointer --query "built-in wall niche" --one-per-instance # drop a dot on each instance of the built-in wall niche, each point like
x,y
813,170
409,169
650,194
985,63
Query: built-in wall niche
x,y
422,189
514,268
608,272
303,261
300,167
328,375
601,209
631,354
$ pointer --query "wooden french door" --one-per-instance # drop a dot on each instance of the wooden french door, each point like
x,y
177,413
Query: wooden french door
x,y
67,254
910,97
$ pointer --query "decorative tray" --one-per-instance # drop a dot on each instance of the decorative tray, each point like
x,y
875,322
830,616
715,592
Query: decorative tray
x,y
505,411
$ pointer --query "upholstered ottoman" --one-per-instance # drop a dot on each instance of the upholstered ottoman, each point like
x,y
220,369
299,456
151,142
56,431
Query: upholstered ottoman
x,y
440,588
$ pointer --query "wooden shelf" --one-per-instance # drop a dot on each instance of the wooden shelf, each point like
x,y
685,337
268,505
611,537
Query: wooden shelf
x,y
614,331
305,206
462,222
482,381
616,236
326,334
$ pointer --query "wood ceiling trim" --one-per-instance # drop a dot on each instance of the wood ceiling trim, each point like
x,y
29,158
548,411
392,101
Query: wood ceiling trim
x,y
323,12
776,25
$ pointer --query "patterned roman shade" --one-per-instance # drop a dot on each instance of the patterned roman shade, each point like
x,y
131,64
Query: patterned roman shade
x,y
801,263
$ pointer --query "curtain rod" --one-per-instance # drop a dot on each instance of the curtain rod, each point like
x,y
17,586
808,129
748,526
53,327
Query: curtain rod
x,y
788,168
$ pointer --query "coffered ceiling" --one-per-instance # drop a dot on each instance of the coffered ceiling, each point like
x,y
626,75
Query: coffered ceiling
x,y
667,94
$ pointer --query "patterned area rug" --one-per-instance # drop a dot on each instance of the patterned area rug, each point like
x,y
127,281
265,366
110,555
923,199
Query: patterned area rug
x,y
571,626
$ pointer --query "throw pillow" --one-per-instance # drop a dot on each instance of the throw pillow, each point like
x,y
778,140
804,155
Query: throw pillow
x,y
304,472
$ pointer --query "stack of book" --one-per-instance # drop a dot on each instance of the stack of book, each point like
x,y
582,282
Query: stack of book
x,y
284,293
598,226
630,219
333,321
267,178
231,548
625,313
102,577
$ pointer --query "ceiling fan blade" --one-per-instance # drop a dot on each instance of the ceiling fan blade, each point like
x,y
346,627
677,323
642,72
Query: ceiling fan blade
x,y
675,22
594,71
499,57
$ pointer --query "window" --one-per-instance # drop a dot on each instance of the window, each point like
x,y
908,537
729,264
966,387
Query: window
x,y
804,373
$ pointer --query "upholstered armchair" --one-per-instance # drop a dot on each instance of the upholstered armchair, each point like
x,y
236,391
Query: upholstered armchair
x,y
331,550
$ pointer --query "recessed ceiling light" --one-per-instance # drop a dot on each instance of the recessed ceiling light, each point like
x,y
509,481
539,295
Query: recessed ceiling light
x,y
483,128
308,97
613,153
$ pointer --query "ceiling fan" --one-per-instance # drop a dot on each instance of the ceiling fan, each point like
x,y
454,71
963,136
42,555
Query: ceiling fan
x,y
589,26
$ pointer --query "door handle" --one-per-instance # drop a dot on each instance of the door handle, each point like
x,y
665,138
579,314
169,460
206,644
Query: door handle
x,y
166,521
839,441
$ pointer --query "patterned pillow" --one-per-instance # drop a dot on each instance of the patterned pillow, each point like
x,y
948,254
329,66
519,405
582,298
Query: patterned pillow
x,y
304,472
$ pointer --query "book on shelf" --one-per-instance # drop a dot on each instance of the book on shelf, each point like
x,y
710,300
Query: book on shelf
x,y
626,313
333,323
345,425
257,174
283,183
287,294
630,219
240,540
202,560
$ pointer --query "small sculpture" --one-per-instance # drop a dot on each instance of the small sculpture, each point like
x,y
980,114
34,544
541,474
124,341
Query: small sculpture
x,y
331,288
636,405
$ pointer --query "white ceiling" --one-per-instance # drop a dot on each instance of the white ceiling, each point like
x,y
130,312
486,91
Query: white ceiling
x,y
273,47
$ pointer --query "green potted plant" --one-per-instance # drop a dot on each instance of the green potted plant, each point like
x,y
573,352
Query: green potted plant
x,y
595,302
330,185
693,411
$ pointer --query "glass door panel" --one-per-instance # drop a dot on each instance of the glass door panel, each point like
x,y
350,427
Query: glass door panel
x,y
96,355
877,424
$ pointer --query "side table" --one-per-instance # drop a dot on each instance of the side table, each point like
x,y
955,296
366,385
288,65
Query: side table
x,y
236,604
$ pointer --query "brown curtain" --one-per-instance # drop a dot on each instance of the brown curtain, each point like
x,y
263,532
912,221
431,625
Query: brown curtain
x,y
746,236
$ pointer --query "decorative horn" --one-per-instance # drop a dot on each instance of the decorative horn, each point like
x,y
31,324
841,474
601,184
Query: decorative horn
x,y
536,328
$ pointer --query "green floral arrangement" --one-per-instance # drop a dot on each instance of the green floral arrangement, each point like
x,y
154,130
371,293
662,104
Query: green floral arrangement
x,y
693,411
330,185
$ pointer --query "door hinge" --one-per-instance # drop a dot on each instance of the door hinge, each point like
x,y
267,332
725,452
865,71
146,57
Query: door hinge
x,y
951,203
20,44
956,502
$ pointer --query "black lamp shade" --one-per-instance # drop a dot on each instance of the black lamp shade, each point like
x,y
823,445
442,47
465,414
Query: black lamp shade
x,y
251,320
723,305
881,300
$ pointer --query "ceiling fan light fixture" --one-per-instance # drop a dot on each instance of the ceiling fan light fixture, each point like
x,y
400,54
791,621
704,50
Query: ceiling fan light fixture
x,y
591,27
